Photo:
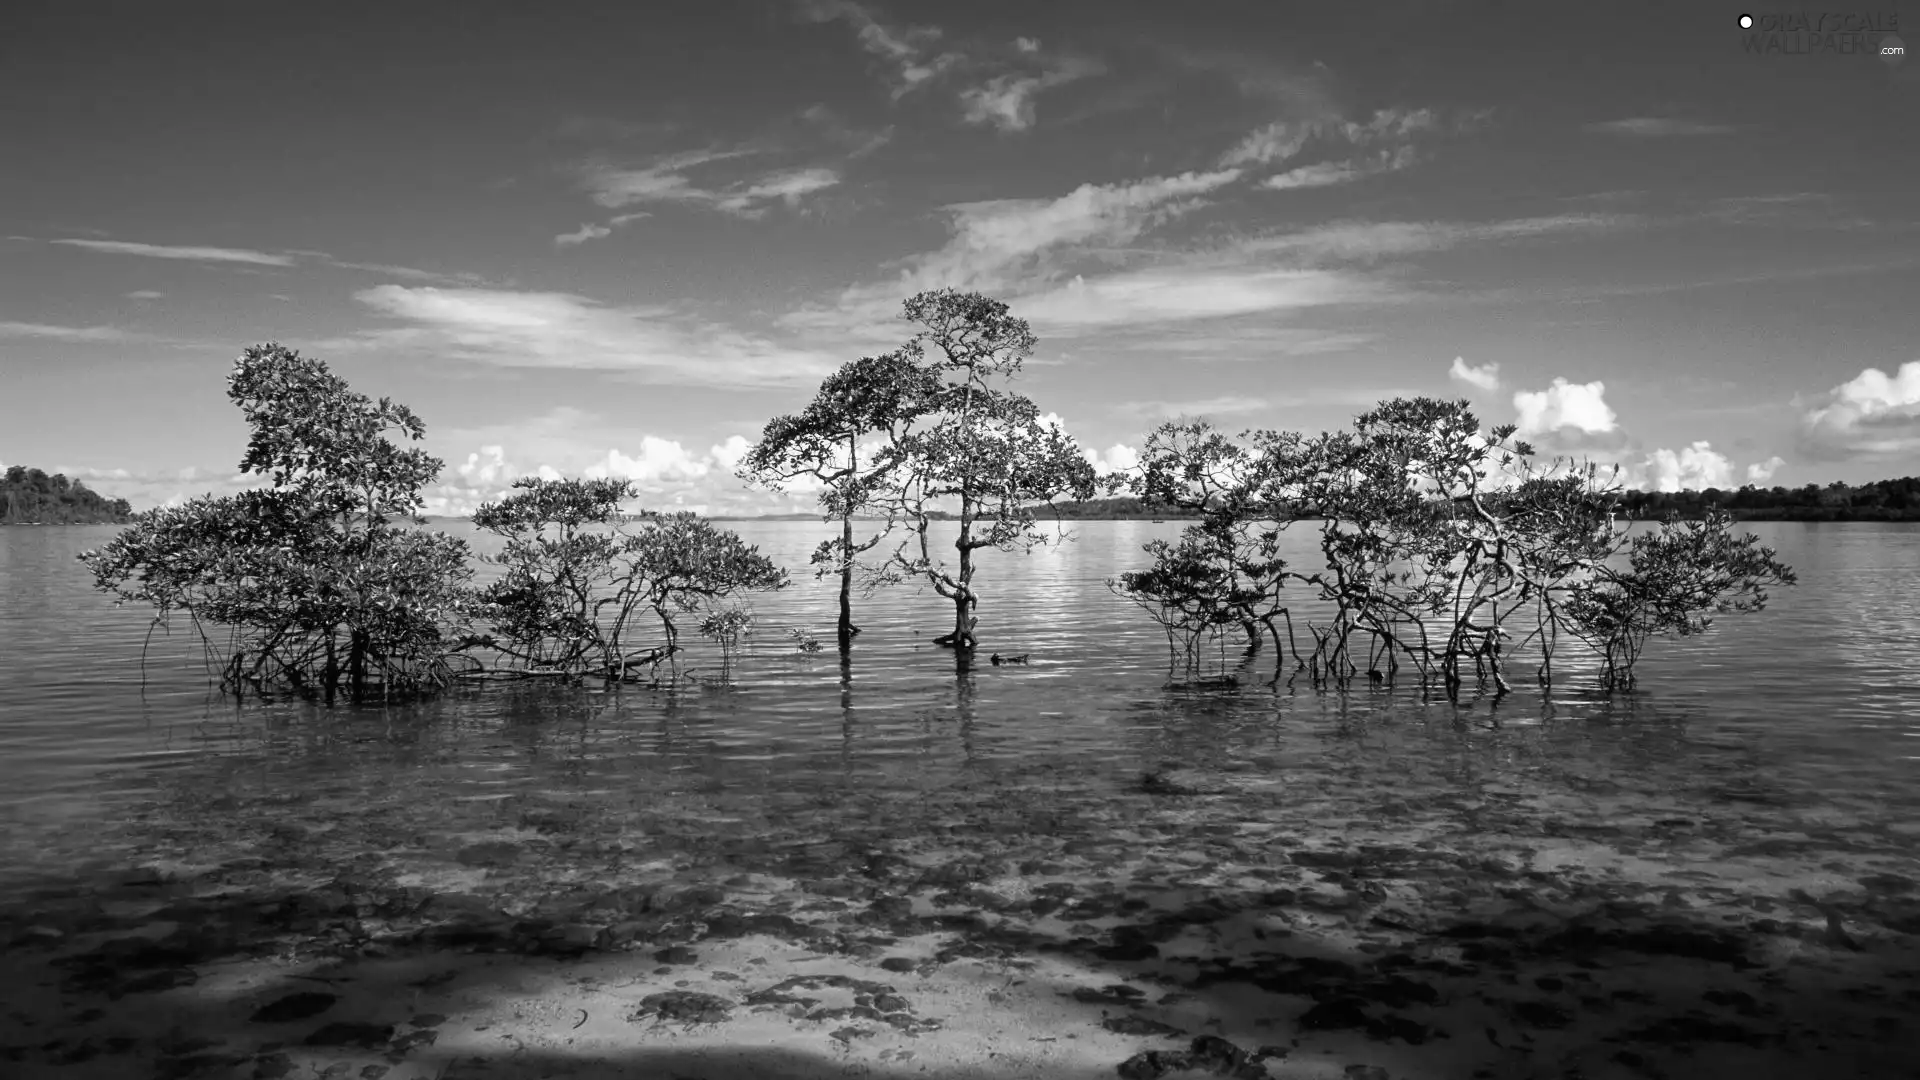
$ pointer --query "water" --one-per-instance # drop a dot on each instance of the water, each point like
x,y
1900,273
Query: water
x,y
1781,751
1814,695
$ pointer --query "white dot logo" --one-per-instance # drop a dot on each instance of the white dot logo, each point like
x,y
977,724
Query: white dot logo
x,y
1746,22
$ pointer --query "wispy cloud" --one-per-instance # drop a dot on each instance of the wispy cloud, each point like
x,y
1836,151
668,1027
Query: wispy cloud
x,y
187,253
1006,101
996,243
589,231
908,51
581,235
145,294
1658,127
1186,293
560,330
1282,140
668,180
1362,241
1225,405
78,334
249,257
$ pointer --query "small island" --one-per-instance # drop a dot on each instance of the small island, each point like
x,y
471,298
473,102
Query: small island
x,y
31,497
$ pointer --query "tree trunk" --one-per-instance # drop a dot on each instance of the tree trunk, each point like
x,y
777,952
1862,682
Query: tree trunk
x,y
357,664
846,584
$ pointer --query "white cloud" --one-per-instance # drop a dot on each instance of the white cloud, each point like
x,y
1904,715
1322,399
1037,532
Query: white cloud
x,y
1655,126
560,330
1564,408
1693,468
145,294
1762,471
568,442
75,334
1364,241
1006,101
658,460
581,235
904,48
1325,174
1216,406
1118,458
1276,141
1176,294
667,180
1283,139
1871,415
788,187
1486,376
188,253
730,453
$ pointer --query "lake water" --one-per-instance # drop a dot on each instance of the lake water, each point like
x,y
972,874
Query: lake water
x,y
1779,752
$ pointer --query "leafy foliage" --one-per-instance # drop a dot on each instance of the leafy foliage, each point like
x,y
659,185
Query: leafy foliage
x,y
31,496
976,445
319,589
575,579
1440,544
872,395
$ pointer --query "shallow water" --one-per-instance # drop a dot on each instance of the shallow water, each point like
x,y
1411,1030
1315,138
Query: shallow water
x,y
1775,754
1805,708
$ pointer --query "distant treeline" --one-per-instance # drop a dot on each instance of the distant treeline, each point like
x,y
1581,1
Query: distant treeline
x,y
1126,508
31,497
1881,500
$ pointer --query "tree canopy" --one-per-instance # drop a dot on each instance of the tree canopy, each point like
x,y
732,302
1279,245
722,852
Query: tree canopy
x,y
29,495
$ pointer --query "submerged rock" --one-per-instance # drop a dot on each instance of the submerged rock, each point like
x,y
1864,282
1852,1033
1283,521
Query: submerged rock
x,y
299,1006
684,1005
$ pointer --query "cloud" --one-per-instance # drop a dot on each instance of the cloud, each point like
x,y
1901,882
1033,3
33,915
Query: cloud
x,y
1366,241
589,231
146,489
667,181
1325,174
1276,141
905,49
581,235
1182,293
76,334
567,441
730,453
192,254
1762,471
1216,406
1565,412
1693,468
1872,415
1486,376
145,294
561,330
249,257
1657,126
995,243
1281,140
1006,101
1118,458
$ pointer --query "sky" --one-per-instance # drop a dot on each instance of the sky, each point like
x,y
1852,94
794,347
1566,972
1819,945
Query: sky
x,y
615,239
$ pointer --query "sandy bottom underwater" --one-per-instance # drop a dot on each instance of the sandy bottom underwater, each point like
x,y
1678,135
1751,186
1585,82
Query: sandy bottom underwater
x,y
1316,928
